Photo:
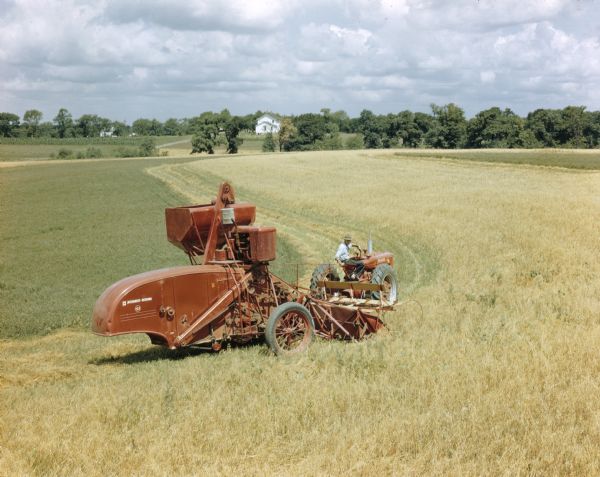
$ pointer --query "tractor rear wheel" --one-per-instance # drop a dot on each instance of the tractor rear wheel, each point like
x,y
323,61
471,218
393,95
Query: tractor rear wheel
x,y
323,272
290,329
385,275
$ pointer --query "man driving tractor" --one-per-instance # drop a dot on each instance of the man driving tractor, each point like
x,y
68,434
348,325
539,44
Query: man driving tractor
x,y
342,256
364,266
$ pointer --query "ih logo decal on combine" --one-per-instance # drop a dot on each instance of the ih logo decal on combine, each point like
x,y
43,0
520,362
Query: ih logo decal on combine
x,y
136,300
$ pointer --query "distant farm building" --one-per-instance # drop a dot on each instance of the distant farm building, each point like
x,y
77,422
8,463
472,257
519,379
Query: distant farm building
x,y
107,132
267,124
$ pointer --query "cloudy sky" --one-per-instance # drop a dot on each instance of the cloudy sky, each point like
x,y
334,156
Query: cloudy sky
x,y
125,59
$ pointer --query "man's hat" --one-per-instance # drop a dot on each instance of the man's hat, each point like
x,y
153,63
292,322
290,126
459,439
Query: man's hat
x,y
347,238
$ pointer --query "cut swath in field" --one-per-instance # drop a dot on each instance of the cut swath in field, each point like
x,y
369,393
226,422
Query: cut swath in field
x,y
313,233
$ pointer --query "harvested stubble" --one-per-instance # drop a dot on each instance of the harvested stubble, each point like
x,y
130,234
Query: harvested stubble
x,y
500,375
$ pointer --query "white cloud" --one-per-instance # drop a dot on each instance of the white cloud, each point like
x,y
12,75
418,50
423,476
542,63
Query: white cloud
x,y
233,15
395,81
545,48
487,76
329,41
352,42
140,73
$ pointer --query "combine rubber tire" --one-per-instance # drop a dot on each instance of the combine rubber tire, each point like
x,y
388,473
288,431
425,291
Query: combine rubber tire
x,y
290,329
323,272
385,275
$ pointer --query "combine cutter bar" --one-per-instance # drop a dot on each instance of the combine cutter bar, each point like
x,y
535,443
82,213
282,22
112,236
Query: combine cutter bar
x,y
342,322
328,286
358,286
358,302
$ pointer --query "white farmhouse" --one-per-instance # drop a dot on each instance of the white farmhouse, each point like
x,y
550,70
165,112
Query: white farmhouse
x,y
266,124
107,132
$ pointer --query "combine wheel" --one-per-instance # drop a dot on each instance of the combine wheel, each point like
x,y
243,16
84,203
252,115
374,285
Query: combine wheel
x,y
386,276
323,272
290,329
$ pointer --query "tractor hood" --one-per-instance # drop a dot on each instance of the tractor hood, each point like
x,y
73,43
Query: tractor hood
x,y
371,261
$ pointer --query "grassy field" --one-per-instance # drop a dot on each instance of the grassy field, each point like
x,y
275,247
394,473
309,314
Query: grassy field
x,y
29,149
35,149
500,374
588,159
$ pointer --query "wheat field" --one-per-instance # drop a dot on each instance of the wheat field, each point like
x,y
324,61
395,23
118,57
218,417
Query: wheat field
x,y
498,375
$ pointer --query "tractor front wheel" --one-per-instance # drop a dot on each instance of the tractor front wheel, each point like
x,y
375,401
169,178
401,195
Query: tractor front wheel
x,y
385,275
290,329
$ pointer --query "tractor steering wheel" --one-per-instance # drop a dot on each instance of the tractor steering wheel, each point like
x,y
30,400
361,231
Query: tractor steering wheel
x,y
357,251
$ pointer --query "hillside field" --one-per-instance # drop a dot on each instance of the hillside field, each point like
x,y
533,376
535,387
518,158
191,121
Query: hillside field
x,y
38,149
498,376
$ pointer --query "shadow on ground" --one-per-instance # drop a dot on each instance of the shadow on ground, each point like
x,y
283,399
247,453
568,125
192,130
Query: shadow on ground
x,y
160,353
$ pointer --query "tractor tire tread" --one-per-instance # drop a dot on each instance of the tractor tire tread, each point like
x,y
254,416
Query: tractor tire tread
x,y
322,272
379,275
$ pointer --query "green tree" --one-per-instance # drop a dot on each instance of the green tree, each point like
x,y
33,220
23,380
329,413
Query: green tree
x,y
332,120
574,123
408,129
341,120
287,131
268,144
31,119
46,129
9,123
247,122
495,128
232,129
372,129
528,140
120,128
172,127
331,142
148,148
105,127
372,140
309,129
450,127
197,123
545,125
355,142
391,125
592,130
224,117
156,128
63,122
205,139
424,123
143,127
90,125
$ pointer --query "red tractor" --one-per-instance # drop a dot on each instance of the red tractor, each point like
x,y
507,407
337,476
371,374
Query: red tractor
x,y
365,267
227,294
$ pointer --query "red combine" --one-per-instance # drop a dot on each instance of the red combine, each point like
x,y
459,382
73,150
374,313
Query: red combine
x,y
228,294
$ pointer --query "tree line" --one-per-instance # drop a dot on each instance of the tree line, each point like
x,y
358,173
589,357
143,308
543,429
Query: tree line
x,y
444,127
63,125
